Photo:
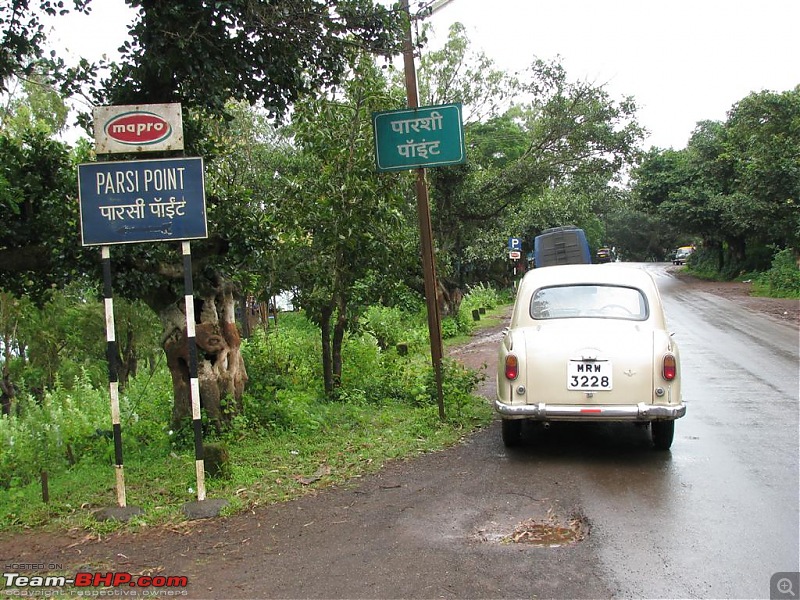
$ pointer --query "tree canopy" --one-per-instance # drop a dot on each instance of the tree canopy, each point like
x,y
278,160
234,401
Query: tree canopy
x,y
735,186
269,53
543,151
277,97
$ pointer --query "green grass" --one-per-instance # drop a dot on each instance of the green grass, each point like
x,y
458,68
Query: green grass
x,y
333,443
265,468
781,280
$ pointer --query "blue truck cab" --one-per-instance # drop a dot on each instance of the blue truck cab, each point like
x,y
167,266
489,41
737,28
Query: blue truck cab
x,y
561,246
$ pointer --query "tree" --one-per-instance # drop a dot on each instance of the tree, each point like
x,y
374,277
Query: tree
x,y
762,141
456,74
201,55
736,183
38,107
556,133
22,45
638,234
258,52
272,52
13,312
38,214
349,220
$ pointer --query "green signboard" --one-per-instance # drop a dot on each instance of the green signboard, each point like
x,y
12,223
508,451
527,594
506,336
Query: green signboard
x,y
429,136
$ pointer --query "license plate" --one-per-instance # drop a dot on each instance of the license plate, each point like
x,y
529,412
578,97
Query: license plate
x,y
589,375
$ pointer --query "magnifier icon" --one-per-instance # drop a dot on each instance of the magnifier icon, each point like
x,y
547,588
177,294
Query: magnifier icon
x,y
785,587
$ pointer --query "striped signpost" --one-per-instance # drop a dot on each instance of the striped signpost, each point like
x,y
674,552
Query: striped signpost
x,y
194,383
113,376
144,201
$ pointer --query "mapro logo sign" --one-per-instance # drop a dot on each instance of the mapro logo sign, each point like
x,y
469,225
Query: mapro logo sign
x,y
138,128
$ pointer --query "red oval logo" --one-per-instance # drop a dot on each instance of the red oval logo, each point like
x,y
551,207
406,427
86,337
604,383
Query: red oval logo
x,y
138,128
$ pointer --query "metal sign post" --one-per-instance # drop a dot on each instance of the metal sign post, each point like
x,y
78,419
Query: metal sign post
x,y
194,383
146,201
113,375
122,511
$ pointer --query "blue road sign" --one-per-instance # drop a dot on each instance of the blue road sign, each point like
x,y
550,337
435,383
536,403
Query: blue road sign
x,y
429,136
514,243
142,201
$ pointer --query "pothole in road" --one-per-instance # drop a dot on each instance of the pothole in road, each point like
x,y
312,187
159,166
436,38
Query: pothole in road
x,y
550,532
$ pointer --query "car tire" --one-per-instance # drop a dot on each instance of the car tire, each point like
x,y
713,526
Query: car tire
x,y
663,432
512,432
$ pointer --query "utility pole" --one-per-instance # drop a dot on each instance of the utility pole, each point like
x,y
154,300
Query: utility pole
x,y
426,232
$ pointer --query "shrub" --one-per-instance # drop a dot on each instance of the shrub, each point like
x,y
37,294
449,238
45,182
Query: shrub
x,y
453,326
481,295
286,356
458,385
387,324
783,278
146,409
55,433
296,412
362,361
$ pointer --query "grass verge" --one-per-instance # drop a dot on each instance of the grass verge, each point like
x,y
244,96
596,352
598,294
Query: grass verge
x,y
340,442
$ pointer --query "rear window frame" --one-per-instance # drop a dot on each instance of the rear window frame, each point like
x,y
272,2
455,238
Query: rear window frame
x,y
643,315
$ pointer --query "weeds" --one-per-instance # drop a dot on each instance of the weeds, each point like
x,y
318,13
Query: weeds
x,y
783,278
287,439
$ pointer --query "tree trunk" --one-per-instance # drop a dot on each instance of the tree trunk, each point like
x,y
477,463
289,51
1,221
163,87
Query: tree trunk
x,y
6,386
736,251
449,297
6,394
127,360
338,338
327,360
220,367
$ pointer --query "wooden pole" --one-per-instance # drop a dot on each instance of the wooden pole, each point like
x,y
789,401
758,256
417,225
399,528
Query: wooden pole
x,y
426,232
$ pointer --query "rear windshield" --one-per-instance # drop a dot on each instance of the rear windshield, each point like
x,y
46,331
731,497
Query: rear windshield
x,y
595,301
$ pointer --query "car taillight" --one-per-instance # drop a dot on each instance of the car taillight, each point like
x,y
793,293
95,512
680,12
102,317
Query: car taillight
x,y
512,367
669,368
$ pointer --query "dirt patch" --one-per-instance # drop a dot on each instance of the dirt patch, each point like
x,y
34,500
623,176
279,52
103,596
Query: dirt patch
x,y
782,309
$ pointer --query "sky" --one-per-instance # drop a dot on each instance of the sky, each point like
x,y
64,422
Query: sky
x,y
683,61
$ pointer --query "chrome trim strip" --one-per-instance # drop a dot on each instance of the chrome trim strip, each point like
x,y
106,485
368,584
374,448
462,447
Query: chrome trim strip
x,y
600,412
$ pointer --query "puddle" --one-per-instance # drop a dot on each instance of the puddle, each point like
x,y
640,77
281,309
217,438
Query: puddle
x,y
549,532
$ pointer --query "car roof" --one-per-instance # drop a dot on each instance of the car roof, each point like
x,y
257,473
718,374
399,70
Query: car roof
x,y
609,273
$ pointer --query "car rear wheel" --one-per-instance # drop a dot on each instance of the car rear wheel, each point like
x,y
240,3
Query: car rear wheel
x,y
512,432
663,432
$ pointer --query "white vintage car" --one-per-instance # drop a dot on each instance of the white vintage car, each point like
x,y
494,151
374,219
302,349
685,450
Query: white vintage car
x,y
589,343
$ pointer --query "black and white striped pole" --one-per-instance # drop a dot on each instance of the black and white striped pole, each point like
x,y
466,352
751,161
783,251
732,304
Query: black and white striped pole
x,y
121,512
113,377
194,383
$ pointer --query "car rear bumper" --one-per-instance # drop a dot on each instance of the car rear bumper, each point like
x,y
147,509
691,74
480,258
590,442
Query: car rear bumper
x,y
607,412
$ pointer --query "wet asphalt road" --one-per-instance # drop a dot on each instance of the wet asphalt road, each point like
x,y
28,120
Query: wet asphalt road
x,y
715,517
718,515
